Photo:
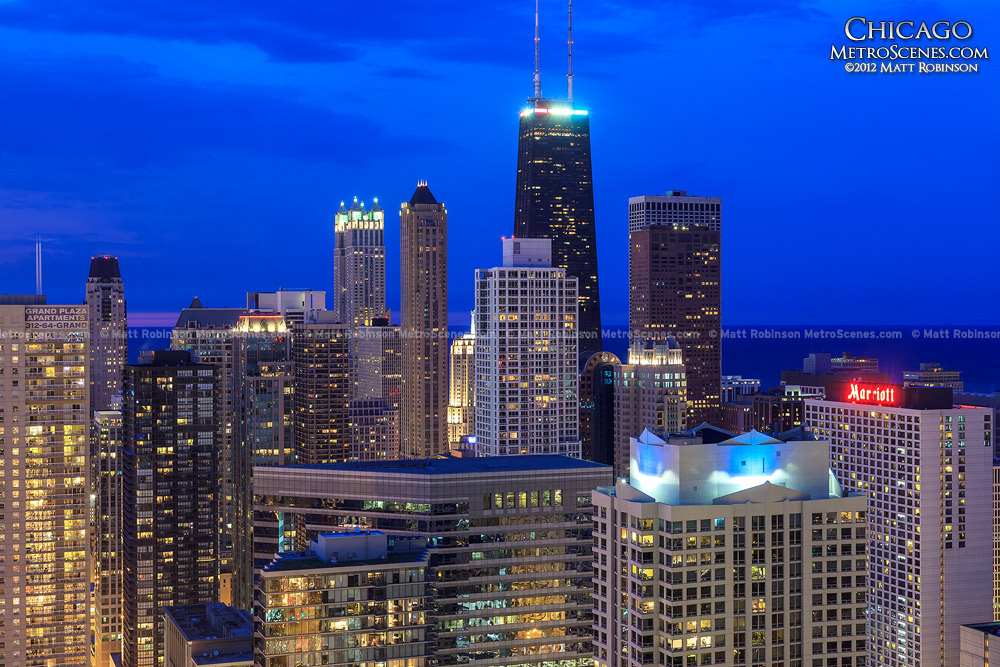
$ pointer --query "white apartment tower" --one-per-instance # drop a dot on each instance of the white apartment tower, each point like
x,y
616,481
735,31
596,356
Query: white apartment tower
x,y
526,351
727,551
359,264
926,469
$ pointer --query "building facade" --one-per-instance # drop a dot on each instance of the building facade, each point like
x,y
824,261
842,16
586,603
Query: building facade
x,y
509,542
526,349
675,287
735,387
462,388
925,468
650,392
555,200
359,264
597,406
291,304
106,437
263,369
209,333
934,375
424,319
374,430
372,601
45,464
732,553
322,388
170,496
199,635
108,330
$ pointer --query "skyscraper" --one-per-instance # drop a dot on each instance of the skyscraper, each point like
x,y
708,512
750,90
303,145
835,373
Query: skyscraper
x,y
675,287
597,406
509,546
424,318
527,398
45,480
319,356
108,330
554,196
209,334
359,264
925,467
106,455
733,552
650,392
462,387
264,375
170,496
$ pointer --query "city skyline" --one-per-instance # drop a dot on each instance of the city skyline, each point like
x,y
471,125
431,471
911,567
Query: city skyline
x,y
217,117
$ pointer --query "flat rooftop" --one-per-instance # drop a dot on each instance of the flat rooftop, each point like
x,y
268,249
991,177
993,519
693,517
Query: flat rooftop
x,y
198,622
291,561
457,466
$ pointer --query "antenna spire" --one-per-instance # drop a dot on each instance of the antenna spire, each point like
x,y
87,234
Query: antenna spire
x,y
38,264
538,78
569,43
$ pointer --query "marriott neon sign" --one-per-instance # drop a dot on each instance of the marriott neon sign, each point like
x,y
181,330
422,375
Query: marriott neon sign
x,y
871,394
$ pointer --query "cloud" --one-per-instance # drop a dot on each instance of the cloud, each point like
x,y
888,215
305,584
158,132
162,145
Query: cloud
x,y
106,109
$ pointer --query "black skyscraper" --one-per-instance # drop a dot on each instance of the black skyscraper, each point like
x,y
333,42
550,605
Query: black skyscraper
x,y
555,190
555,200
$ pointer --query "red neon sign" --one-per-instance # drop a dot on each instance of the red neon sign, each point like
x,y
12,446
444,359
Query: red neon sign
x,y
875,394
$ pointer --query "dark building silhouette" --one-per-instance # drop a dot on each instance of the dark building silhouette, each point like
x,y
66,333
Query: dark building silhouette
x,y
555,199
170,496
319,356
675,288
597,406
108,331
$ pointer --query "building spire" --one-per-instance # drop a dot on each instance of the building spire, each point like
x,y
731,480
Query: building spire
x,y
569,43
538,78
38,264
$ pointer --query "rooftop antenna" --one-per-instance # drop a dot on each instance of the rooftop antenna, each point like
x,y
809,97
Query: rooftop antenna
x,y
569,42
38,264
538,78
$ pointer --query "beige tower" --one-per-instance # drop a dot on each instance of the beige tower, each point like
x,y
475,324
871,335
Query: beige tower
x,y
108,330
462,388
424,319
44,474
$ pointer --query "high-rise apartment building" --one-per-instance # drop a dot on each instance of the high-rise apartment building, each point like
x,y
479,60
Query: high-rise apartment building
x,y
209,333
374,430
675,287
527,399
291,304
925,468
650,392
424,319
320,405
170,496
934,375
106,437
263,371
462,387
45,479
380,362
509,544
381,621
597,406
734,387
108,330
739,552
359,264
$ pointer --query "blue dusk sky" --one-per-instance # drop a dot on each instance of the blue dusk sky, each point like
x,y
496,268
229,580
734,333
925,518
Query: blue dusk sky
x,y
208,144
